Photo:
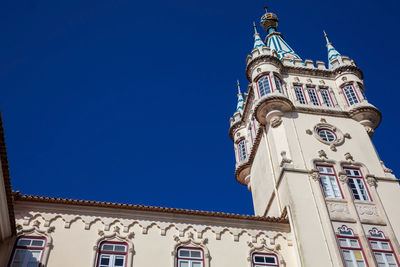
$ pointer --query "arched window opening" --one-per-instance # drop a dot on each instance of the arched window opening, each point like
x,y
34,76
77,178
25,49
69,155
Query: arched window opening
x,y
264,86
350,247
351,95
28,251
190,257
382,249
112,254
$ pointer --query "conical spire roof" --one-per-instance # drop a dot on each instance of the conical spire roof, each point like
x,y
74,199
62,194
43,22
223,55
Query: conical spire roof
x,y
257,39
240,100
332,52
275,41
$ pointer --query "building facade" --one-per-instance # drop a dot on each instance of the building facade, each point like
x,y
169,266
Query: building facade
x,y
321,194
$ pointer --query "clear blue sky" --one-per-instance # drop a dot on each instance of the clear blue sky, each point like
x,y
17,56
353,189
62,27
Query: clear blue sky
x,y
129,101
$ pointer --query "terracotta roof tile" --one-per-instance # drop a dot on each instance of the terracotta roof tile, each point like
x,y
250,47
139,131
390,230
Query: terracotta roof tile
x,y
77,202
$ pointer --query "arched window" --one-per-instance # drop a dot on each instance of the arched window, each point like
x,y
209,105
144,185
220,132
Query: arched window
x,y
28,251
382,249
264,86
112,254
263,259
350,248
190,257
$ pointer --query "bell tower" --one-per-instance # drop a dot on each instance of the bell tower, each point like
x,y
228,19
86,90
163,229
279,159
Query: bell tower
x,y
302,139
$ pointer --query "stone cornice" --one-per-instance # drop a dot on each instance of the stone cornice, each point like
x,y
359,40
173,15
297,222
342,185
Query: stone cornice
x,y
262,59
59,205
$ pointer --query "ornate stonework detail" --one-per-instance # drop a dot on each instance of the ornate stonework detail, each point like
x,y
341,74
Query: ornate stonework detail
x,y
308,131
314,174
323,125
285,159
343,177
297,79
323,120
321,81
322,154
309,80
368,210
385,169
344,78
333,147
347,135
276,121
264,248
348,157
371,180
338,208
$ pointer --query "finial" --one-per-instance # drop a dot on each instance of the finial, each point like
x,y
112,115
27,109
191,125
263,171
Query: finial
x,y
255,28
266,9
326,37
238,86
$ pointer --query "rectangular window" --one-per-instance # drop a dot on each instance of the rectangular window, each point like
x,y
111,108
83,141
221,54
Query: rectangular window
x,y
300,94
28,252
312,93
112,254
352,252
261,260
190,257
326,96
383,253
351,95
357,184
329,182
242,150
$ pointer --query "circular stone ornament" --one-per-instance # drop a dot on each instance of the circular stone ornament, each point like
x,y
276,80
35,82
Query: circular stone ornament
x,y
328,134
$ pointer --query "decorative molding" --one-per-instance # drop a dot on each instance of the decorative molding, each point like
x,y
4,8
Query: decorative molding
x,y
385,169
322,154
276,121
348,157
272,248
314,174
190,242
367,210
285,161
342,176
371,180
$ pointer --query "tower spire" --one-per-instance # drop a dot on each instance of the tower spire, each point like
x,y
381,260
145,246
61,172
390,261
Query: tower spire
x,y
269,21
240,100
257,39
332,52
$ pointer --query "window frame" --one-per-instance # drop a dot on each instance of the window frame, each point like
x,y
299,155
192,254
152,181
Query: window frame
x,y
330,174
361,177
331,104
314,89
16,246
239,151
270,85
263,264
330,131
353,237
100,251
355,92
383,239
189,259
302,92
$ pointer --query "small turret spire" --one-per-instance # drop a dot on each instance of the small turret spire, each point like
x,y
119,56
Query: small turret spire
x,y
257,39
240,100
332,52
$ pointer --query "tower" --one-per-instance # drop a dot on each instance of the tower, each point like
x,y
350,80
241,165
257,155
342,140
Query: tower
x,y
303,148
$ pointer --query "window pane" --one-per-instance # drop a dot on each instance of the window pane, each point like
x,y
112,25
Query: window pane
x,y
119,261
259,259
108,247
119,248
354,243
385,246
37,243
183,263
184,253
343,242
105,260
270,259
24,242
196,264
195,254
374,245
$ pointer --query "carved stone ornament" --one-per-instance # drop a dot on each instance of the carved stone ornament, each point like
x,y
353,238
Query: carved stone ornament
x,y
314,174
371,180
348,157
385,169
285,159
308,131
276,121
321,82
343,177
323,125
344,79
322,154
297,79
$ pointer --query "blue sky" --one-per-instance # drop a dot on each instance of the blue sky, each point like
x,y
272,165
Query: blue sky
x,y
129,101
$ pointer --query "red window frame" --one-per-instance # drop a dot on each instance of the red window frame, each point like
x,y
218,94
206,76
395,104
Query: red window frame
x,y
182,258
28,247
350,248
384,239
264,264
270,84
329,95
100,251
345,96
334,173
316,94
302,90
358,177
